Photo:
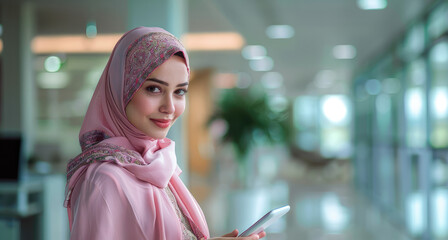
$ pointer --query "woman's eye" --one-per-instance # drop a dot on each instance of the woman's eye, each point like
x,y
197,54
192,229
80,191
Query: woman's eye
x,y
153,89
181,92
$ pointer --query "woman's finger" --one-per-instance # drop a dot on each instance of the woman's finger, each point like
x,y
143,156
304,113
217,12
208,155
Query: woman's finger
x,y
252,237
262,234
234,233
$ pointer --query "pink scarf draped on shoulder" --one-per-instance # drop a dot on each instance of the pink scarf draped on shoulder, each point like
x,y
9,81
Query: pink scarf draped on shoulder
x,y
107,136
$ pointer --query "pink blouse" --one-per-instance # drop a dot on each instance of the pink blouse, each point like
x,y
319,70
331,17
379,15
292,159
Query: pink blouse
x,y
109,202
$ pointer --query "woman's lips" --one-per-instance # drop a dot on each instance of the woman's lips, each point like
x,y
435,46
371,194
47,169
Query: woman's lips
x,y
161,123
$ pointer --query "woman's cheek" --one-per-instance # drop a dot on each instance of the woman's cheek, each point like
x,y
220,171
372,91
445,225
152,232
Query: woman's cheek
x,y
144,105
180,107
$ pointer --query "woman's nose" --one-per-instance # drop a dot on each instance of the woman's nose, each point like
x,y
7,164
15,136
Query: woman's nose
x,y
167,105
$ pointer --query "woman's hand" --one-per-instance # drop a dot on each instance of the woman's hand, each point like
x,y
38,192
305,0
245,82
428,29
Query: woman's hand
x,y
234,235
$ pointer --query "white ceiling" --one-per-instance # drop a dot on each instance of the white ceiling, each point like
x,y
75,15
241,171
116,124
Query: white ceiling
x,y
319,25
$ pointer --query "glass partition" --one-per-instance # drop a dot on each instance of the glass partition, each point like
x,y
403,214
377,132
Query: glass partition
x,y
438,139
415,105
362,134
386,134
439,195
438,95
416,194
401,135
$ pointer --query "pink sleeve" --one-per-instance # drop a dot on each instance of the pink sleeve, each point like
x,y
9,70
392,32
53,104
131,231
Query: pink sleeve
x,y
100,210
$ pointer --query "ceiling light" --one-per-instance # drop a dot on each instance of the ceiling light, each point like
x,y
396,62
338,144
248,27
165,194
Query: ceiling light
x,y
214,41
52,64
344,52
74,44
91,30
251,52
272,80
105,43
280,31
372,4
334,108
262,65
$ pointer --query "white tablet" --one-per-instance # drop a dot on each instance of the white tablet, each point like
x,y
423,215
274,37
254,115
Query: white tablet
x,y
265,221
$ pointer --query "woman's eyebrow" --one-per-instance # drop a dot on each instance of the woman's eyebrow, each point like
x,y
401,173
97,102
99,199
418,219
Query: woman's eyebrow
x,y
182,84
157,81
165,83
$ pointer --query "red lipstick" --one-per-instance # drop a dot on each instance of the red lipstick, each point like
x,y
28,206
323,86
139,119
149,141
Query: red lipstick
x,y
161,123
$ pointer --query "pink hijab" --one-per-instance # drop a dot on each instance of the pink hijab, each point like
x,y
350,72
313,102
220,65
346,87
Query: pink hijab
x,y
106,134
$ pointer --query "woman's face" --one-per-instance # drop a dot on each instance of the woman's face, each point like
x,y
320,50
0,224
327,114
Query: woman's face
x,y
161,99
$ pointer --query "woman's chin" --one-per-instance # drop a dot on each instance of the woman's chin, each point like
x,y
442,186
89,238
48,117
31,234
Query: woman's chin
x,y
157,136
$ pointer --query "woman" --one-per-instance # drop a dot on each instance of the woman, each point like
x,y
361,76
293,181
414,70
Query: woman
x,y
125,184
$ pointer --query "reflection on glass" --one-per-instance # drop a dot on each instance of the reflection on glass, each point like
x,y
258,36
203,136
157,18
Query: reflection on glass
x,y
439,197
334,215
306,209
415,105
438,58
439,209
415,116
383,104
417,73
385,178
415,213
439,102
416,202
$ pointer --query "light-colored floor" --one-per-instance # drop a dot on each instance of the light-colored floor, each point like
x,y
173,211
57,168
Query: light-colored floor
x,y
333,212
324,206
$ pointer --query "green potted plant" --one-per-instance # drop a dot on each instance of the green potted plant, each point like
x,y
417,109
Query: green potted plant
x,y
250,119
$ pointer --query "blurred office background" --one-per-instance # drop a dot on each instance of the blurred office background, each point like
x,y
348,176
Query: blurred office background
x,y
337,108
